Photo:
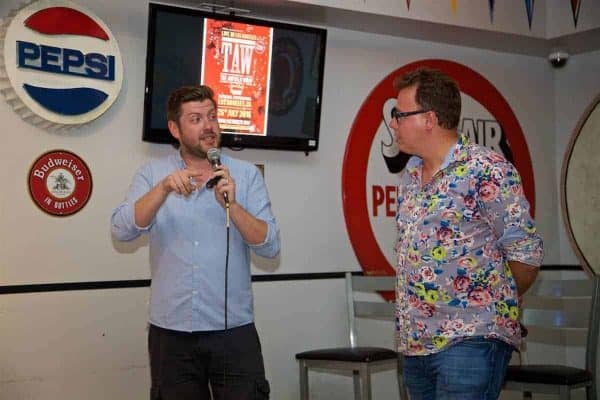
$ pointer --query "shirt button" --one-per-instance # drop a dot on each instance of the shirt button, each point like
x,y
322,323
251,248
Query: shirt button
x,y
196,267
196,243
194,292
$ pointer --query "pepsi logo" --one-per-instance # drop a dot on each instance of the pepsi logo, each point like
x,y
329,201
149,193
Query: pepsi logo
x,y
62,62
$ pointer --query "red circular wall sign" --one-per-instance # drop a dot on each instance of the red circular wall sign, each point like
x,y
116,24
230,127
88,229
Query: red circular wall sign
x,y
60,183
364,130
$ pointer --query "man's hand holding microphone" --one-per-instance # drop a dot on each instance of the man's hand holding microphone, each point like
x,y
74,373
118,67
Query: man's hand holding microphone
x,y
222,181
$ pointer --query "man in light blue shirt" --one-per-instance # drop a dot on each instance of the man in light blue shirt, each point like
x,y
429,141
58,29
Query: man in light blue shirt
x,y
201,318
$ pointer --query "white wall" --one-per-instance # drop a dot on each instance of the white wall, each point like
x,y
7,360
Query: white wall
x,y
299,186
91,344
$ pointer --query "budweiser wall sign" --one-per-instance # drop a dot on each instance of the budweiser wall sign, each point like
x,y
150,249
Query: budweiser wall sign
x,y
60,183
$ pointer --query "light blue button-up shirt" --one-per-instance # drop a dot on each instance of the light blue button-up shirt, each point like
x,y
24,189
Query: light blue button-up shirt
x,y
188,248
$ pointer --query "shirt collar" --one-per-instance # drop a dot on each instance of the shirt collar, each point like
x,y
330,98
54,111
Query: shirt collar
x,y
179,159
181,164
458,153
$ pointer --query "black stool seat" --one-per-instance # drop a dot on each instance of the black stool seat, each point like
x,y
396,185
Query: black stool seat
x,y
550,374
355,354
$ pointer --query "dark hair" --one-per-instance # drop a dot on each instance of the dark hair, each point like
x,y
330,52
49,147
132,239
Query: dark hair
x,y
186,94
436,91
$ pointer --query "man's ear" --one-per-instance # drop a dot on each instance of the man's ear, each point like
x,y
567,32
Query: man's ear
x,y
174,129
431,120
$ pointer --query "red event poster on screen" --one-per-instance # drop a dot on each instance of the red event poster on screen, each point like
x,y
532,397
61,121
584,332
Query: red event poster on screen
x,y
236,64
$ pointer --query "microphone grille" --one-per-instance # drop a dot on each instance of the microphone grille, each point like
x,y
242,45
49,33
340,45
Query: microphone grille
x,y
213,154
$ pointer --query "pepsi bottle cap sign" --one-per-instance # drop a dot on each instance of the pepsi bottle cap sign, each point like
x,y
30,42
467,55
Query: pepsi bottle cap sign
x,y
62,66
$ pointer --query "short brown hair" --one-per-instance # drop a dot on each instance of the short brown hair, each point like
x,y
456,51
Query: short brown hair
x,y
186,94
436,91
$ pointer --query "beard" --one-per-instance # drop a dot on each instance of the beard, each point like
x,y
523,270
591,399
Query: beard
x,y
196,152
199,150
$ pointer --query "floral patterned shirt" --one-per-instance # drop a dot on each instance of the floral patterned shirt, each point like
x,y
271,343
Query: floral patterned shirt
x,y
455,237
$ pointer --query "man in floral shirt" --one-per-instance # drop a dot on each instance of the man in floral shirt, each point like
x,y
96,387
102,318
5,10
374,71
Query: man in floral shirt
x,y
467,248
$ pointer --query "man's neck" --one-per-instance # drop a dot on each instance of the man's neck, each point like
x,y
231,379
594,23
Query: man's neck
x,y
195,162
433,160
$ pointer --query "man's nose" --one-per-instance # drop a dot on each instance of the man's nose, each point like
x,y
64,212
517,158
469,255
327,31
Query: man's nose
x,y
207,125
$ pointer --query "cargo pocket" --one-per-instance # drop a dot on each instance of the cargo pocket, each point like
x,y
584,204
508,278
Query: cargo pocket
x,y
262,389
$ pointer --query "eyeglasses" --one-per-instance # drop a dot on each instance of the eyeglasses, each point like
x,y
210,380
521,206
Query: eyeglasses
x,y
397,115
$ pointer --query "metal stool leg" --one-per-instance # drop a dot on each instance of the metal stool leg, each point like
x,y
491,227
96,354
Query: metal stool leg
x,y
589,392
565,393
365,382
303,380
356,379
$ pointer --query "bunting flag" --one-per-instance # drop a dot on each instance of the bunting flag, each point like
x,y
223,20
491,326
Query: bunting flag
x,y
529,6
453,2
575,4
492,10
408,4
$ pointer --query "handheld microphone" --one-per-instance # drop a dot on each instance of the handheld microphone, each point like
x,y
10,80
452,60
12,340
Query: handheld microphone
x,y
214,158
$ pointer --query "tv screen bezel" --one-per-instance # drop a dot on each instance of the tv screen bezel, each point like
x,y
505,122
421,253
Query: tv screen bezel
x,y
235,141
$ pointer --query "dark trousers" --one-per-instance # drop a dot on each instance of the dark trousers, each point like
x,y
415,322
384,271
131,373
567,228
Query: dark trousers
x,y
191,366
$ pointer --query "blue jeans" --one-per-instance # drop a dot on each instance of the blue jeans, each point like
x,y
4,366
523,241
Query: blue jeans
x,y
473,369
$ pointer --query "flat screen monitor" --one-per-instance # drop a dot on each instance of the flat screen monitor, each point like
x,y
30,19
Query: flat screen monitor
x,y
267,76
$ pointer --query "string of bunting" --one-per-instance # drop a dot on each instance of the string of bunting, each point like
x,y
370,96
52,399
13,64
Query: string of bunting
x,y
529,8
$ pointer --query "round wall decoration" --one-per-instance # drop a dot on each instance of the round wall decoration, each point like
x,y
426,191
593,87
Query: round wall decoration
x,y
60,65
60,183
580,189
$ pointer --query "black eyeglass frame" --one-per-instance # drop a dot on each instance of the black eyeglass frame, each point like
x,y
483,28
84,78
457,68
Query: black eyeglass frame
x,y
397,115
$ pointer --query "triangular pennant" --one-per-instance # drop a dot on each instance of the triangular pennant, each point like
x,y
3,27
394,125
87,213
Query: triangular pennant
x,y
575,5
529,6
408,4
453,3
492,10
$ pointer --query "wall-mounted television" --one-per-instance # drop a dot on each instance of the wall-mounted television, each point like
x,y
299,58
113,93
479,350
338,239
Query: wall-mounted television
x,y
267,76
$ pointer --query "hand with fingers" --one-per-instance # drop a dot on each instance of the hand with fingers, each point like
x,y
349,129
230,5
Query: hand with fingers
x,y
225,189
182,181
524,330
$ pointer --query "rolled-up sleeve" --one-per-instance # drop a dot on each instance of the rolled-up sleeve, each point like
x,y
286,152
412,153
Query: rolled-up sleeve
x,y
508,212
259,205
123,225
